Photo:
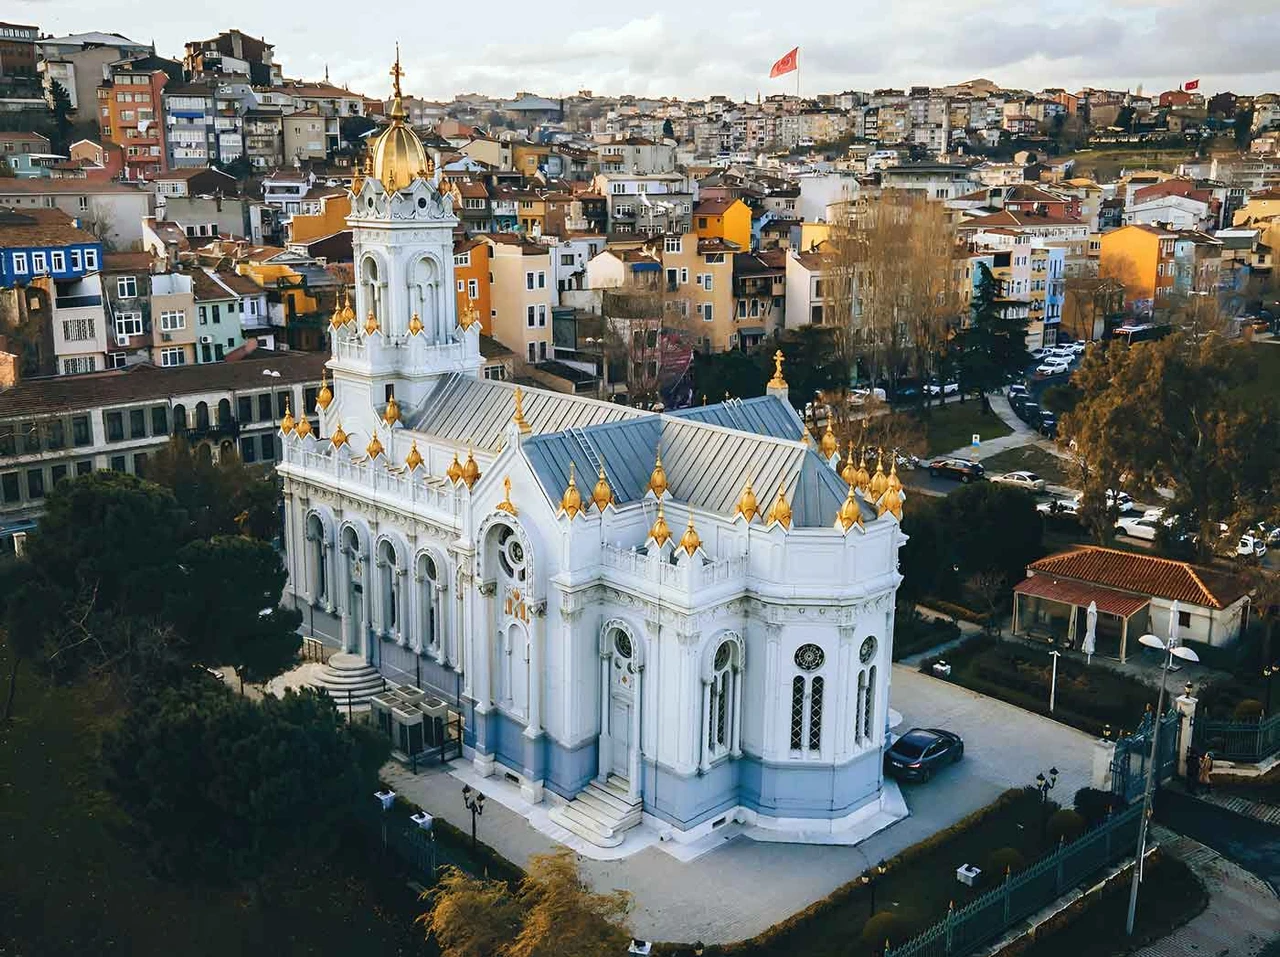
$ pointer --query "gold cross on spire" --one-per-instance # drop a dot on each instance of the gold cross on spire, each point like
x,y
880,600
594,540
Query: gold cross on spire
x,y
396,72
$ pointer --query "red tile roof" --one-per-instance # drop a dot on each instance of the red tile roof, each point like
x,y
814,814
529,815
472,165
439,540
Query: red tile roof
x,y
1143,575
1110,601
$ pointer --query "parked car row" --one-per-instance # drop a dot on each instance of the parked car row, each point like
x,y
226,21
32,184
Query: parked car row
x,y
958,469
1029,411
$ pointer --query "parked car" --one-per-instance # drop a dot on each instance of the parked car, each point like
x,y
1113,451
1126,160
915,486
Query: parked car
x,y
1029,412
1155,514
1268,533
1048,424
1038,354
1120,501
1062,507
1079,347
950,387
1248,546
921,752
1054,365
957,469
1016,389
1027,480
1141,528
860,396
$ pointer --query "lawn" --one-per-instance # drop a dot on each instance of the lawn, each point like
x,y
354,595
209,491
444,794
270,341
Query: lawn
x,y
953,426
1088,697
1029,458
70,883
1169,896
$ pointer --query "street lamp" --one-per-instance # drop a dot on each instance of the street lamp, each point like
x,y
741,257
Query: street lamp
x,y
1044,786
1053,682
870,878
1171,650
474,802
1268,673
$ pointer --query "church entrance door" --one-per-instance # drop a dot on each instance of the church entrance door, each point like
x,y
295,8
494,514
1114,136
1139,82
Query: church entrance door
x,y
622,688
620,734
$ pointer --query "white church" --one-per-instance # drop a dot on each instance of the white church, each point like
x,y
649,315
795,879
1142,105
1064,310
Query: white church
x,y
680,618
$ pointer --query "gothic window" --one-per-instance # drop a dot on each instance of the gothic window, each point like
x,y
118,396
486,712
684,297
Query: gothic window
x,y
807,700
315,548
722,700
815,714
797,713
869,704
389,588
511,555
858,730
429,597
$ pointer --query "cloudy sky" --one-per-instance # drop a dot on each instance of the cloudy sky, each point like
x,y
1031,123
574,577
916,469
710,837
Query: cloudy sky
x,y
700,47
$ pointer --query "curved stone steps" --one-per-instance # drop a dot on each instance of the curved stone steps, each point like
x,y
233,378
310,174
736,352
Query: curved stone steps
x,y
349,678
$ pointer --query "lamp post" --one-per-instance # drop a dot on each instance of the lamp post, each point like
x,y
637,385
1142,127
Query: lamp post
x,y
1053,682
870,878
474,802
1171,650
1044,785
1268,673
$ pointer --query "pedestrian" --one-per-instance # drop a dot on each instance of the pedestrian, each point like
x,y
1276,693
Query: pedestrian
x,y
1206,771
1193,769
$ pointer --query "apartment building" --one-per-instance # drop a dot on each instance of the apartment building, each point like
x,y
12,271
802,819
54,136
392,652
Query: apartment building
x,y
647,204
190,138
522,294
1141,257
131,115
471,271
173,330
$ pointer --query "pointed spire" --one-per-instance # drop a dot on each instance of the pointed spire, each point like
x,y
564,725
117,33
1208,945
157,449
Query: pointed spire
x,y
518,417
324,396
470,470
304,427
339,438
287,424
850,471
660,532
506,505
850,512
780,510
878,481
391,415
348,314
864,477
414,458
828,446
747,506
415,324
454,471
374,448
602,494
571,501
336,319
371,324
658,478
690,541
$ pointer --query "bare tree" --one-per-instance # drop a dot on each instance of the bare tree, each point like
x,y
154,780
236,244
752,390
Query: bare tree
x,y
1088,302
643,325
97,220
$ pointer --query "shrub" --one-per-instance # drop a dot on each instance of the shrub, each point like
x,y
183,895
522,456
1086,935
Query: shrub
x,y
1250,709
1065,825
886,925
1094,805
1004,859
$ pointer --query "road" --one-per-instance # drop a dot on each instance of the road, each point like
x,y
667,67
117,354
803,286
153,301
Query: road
x,y
1251,843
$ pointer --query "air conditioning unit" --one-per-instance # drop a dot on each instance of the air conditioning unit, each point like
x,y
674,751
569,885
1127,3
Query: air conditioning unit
x,y
206,340
166,337
122,340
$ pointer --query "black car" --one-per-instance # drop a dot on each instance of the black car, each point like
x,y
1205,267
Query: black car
x,y
1048,424
1029,412
957,469
922,751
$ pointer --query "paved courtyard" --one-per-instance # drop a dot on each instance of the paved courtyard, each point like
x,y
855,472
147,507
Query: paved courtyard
x,y
742,887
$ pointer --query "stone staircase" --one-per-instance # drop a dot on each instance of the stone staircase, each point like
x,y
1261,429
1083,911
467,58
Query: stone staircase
x,y
601,813
344,674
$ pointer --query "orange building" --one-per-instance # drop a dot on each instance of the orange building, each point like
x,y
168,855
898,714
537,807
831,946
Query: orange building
x,y
1141,258
727,219
322,212
471,270
131,115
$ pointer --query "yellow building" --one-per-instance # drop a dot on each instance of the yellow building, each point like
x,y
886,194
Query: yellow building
x,y
531,211
521,295
323,213
527,157
1141,258
697,276
471,270
727,219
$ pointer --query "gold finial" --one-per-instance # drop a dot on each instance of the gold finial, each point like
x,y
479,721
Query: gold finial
x,y
414,458
371,324
470,316
879,481
864,477
571,501
690,541
748,507
287,424
348,314
396,73
324,396
850,471
470,470
850,513
602,494
339,438
336,319
506,504
829,446
658,478
454,471
391,415
660,533
518,417
415,325
780,510
304,427
374,448
894,484
777,382
890,502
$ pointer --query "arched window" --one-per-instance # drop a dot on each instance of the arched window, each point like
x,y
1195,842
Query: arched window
x,y
797,713
807,699
869,705
815,714
864,707
315,549
179,418
722,699
224,412
388,588
511,555
429,601
202,415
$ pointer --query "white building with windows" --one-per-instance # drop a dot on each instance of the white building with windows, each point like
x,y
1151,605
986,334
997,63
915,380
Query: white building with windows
x,y
682,619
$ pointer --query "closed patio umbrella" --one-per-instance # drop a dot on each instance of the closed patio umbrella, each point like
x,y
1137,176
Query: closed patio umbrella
x,y
1090,632
1173,622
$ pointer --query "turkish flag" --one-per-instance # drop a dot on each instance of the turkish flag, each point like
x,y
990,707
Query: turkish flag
x,y
1191,85
787,64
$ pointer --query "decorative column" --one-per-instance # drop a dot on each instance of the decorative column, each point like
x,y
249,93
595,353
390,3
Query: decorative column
x,y
633,785
1103,754
735,725
348,585
330,574
538,624
704,748
1186,705
482,639
419,616
773,716
605,740
398,588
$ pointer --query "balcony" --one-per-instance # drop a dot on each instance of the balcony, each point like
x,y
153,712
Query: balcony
x,y
76,302
213,430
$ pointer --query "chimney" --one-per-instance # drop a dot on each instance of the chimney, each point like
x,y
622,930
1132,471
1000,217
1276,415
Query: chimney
x,y
10,372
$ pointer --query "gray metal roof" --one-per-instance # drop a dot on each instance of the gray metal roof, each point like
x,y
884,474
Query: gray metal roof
x,y
763,415
465,410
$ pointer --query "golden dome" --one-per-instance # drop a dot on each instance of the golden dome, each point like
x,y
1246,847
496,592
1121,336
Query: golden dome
x,y
324,396
850,471
414,458
780,510
879,481
454,471
303,429
864,477
660,533
371,324
348,314
287,423
893,484
571,501
748,507
391,415
891,503
850,514
690,541
602,494
336,319
829,446
374,448
339,438
415,325
397,153
506,505
518,416
658,478
777,382
470,471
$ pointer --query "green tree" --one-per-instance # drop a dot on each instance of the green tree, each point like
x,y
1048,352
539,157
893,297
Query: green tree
x,y
222,498
23,611
60,106
227,606
1242,127
354,129
992,346
223,789
668,131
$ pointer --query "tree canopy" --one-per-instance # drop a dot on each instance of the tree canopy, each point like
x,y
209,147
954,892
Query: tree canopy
x,y
992,347
222,498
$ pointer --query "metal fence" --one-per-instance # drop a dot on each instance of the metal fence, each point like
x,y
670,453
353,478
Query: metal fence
x,y
1020,895
1133,754
1251,741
